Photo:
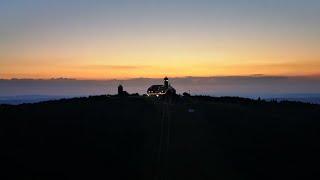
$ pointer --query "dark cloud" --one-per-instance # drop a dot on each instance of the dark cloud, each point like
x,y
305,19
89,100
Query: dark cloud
x,y
113,67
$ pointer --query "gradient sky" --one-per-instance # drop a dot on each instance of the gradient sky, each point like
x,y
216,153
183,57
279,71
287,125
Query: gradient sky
x,y
105,39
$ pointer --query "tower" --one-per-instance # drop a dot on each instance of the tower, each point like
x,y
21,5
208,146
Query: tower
x,y
120,90
166,82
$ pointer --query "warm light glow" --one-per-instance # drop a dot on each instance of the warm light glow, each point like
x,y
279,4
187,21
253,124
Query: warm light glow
x,y
144,42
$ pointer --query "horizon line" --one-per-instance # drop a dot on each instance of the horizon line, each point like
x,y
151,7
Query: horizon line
x,y
173,77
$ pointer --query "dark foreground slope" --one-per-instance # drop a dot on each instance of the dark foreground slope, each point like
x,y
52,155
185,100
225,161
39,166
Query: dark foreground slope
x,y
142,138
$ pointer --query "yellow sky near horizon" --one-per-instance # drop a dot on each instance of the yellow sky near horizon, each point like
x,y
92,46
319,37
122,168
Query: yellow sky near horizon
x,y
171,58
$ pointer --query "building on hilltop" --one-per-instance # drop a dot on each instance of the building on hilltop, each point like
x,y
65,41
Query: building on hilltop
x,y
159,90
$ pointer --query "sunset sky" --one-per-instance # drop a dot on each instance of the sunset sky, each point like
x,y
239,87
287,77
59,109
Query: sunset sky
x,y
107,39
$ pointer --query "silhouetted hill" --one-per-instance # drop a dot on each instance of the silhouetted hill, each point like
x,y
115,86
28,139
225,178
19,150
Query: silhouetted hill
x,y
110,137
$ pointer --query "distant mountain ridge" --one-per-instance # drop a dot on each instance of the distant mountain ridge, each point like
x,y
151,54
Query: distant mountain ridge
x,y
248,86
16,100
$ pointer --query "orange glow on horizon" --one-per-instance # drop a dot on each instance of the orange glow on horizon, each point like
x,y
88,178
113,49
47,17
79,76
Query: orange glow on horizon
x,y
156,57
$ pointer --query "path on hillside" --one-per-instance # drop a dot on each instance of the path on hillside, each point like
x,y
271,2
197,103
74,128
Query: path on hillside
x,y
162,159
181,146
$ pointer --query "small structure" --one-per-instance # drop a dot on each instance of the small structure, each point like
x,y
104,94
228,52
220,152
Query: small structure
x,y
121,92
120,89
159,90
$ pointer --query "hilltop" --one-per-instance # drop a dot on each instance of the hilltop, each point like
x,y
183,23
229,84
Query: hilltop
x,y
135,137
